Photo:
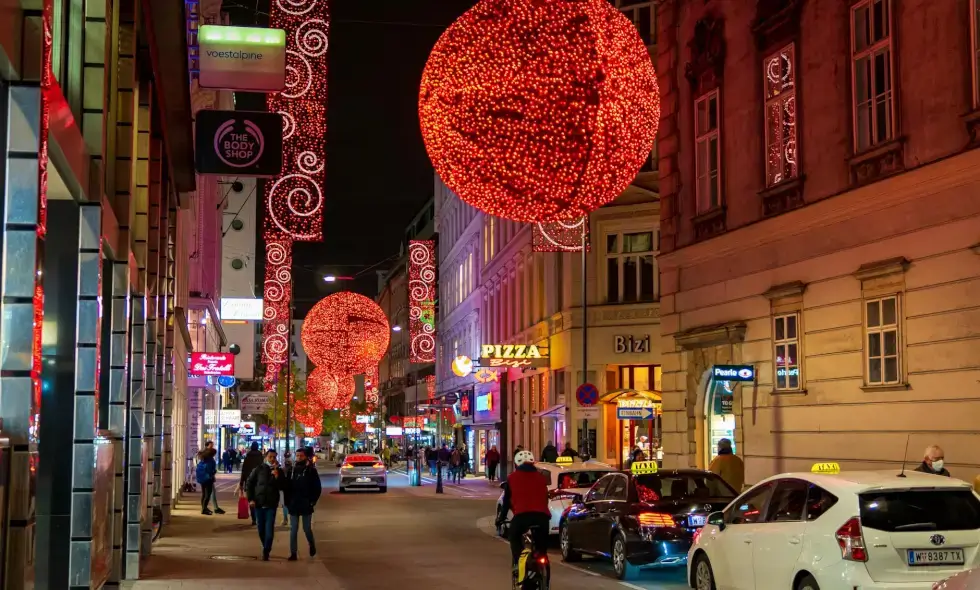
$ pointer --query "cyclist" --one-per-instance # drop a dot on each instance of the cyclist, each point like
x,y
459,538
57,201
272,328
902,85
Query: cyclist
x,y
526,494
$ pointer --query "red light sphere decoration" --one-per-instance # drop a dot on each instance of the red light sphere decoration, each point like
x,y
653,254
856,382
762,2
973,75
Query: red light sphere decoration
x,y
321,388
345,392
309,414
539,111
346,333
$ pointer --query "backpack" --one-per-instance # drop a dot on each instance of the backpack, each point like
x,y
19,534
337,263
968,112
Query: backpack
x,y
202,473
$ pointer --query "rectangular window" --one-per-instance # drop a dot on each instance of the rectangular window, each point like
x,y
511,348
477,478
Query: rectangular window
x,y
881,352
781,135
873,73
631,267
786,338
708,152
644,16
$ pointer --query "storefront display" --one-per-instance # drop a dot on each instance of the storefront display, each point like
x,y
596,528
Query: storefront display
x,y
719,405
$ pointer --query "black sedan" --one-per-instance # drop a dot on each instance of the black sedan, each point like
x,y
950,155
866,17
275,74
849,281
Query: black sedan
x,y
643,518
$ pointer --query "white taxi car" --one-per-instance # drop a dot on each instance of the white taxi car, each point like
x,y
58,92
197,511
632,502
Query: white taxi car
x,y
882,530
566,478
363,471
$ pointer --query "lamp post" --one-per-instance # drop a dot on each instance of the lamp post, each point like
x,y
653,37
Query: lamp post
x,y
585,328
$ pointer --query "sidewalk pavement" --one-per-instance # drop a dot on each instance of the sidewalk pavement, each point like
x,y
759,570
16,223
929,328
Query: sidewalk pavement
x,y
472,487
198,552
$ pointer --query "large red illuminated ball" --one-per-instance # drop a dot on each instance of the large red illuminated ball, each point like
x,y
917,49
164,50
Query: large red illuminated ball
x,y
346,333
321,388
539,110
309,414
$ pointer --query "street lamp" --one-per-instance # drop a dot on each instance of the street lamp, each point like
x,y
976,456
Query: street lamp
x,y
330,279
396,328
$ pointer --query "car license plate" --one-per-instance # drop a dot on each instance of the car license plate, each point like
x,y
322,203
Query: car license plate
x,y
363,479
936,557
696,520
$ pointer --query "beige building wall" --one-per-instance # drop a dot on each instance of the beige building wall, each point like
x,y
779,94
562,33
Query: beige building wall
x,y
915,237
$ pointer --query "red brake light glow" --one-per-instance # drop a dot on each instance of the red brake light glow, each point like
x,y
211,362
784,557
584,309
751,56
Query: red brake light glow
x,y
851,541
378,465
656,519
697,535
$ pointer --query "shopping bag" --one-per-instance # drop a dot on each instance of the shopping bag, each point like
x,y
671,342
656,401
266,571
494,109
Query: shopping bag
x,y
243,508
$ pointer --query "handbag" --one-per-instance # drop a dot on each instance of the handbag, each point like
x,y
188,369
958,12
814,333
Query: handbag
x,y
243,512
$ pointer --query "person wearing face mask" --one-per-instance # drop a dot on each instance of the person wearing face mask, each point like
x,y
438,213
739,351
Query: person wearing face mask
x,y
933,461
302,493
262,490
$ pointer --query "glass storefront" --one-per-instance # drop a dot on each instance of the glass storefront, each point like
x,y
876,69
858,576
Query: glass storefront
x,y
632,412
719,416
478,442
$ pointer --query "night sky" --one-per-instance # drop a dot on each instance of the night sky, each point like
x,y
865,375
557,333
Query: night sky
x,y
378,174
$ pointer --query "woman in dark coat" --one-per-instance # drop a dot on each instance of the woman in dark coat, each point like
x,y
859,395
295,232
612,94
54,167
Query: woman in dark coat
x,y
302,494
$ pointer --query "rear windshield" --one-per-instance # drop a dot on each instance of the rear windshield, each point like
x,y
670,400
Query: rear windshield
x,y
926,510
579,479
681,486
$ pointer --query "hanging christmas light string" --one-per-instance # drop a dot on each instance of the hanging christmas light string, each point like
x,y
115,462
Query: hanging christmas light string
x,y
539,111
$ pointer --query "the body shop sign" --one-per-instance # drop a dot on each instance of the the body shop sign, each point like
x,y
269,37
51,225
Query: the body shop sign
x,y
212,364
240,143
242,58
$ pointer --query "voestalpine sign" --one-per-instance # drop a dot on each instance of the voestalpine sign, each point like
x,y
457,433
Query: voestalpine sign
x,y
242,58
513,356
212,364
240,143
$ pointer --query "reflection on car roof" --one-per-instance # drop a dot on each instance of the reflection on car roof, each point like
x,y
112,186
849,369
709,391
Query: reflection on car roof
x,y
857,481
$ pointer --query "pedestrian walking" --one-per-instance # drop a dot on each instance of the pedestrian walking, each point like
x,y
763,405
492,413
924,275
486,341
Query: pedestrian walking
x,y
262,489
252,459
226,461
302,493
933,461
728,465
454,466
464,457
549,454
206,473
430,459
492,459
442,459
569,451
288,468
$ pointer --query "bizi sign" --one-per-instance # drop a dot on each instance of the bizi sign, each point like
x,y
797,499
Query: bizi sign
x,y
240,143
212,364
513,356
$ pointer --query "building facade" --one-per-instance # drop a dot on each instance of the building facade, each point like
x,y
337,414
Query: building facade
x,y
239,228
820,222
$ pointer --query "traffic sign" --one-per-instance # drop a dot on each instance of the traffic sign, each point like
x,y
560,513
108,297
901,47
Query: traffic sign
x,y
634,413
450,398
587,394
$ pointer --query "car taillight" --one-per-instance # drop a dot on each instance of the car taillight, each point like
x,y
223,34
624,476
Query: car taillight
x,y
346,466
851,541
378,465
697,535
657,519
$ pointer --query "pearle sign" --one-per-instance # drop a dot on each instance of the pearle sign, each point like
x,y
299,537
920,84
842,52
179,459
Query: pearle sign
x,y
212,364
242,58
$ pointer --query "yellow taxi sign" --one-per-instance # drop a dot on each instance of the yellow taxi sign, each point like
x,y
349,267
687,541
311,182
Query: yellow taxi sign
x,y
642,467
563,460
825,468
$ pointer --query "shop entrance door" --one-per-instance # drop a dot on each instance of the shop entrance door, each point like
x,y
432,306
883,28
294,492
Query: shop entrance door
x,y
718,416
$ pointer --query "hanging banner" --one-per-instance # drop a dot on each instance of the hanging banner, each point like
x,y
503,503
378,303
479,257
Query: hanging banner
x,y
255,403
422,301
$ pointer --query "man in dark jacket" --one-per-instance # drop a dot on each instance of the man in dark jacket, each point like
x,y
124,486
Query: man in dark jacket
x,y
302,493
933,461
206,473
262,490
549,454
252,460
569,451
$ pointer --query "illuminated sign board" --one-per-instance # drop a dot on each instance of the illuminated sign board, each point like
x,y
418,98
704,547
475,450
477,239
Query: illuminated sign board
x,y
212,364
240,143
242,58
733,372
513,356
241,308
484,403
485,375
462,366
422,301
363,419
246,429
393,430
225,417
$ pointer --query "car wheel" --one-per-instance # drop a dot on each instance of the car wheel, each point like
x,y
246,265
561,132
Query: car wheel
x,y
704,576
567,553
807,583
383,489
624,569
342,490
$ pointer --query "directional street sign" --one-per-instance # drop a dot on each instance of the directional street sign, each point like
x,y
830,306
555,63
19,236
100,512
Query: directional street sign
x,y
634,413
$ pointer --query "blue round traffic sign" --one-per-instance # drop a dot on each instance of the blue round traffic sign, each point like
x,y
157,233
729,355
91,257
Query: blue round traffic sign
x,y
587,394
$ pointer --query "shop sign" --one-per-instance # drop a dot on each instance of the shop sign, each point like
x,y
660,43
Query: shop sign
x,y
450,398
628,413
631,344
225,417
246,429
484,403
255,403
462,366
634,403
724,403
241,309
465,404
514,356
485,375
212,364
415,421
240,143
242,58
363,419
733,372
412,430
788,372
393,430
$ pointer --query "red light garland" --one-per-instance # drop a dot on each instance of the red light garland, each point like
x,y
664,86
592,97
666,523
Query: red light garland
x,y
275,312
559,236
539,111
346,333
371,378
422,301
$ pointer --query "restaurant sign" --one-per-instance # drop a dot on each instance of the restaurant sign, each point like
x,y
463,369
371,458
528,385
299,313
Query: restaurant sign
x,y
513,356
212,364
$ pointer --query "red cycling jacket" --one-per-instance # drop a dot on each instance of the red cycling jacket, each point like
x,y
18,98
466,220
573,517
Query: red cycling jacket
x,y
528,492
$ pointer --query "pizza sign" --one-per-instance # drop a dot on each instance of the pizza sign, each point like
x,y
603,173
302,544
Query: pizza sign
x,y
212,364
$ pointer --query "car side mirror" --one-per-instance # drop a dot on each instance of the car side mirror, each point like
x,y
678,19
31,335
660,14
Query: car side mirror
x,y
717,519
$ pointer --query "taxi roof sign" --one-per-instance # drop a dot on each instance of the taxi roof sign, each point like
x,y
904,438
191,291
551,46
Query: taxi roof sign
x,y
644,467
825,468
563,460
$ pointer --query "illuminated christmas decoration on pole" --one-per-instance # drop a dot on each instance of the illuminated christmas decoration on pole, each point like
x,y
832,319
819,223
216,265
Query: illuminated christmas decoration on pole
x,y
294,200
346,334
422,301
539,111
559,236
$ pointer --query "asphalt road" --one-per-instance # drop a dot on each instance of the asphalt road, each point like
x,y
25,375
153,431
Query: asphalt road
x,y
412,539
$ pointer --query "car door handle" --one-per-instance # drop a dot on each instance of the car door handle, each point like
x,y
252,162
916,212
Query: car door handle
x,y
747,541
794,540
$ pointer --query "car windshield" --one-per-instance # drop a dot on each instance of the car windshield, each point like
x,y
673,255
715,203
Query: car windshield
x,y
579,479
920,510
681,486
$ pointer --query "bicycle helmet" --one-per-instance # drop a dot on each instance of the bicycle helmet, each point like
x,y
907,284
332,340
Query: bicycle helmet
x,y
523,457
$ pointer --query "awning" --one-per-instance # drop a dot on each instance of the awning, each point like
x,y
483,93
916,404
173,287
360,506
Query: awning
x,y
613,396
556,411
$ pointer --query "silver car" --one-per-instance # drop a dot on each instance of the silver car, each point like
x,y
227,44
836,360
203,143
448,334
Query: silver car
x,y
363,471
